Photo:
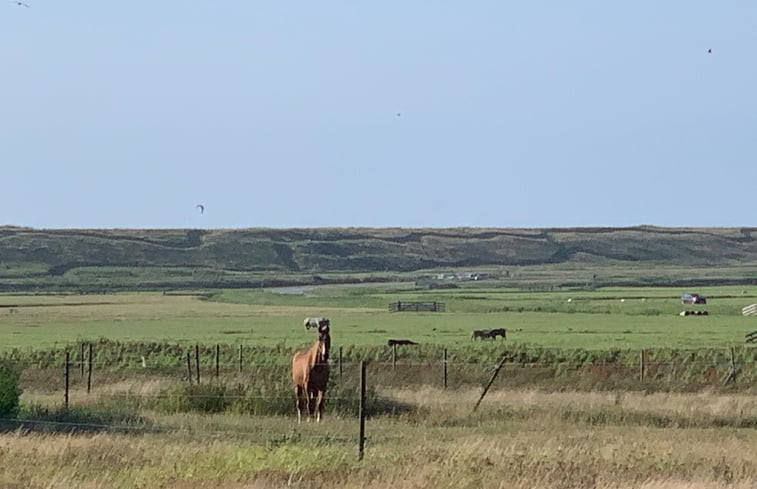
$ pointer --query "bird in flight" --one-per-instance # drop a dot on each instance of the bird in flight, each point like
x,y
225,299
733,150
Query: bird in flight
x,y
201,207
20,4
709,51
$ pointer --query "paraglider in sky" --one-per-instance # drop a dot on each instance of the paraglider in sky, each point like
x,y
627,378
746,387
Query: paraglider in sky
x,y
201,207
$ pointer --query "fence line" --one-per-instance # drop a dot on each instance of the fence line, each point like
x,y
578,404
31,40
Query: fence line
x,y
735,368
21,423
400,363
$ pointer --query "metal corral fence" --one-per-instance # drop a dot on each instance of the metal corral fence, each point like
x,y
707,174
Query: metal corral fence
x,y
406,306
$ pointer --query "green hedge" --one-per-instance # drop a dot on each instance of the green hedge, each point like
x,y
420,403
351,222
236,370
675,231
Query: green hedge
x,y
9,389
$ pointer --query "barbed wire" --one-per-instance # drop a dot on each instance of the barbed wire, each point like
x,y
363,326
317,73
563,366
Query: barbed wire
x,y
231,366
224,396
275,437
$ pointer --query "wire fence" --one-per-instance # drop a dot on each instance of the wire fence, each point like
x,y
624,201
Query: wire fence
x,y
85,393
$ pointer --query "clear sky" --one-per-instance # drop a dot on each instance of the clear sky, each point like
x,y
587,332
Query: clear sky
x,y
385,113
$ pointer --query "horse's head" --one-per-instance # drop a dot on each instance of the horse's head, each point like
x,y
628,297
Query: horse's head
x,y
324,341
316,322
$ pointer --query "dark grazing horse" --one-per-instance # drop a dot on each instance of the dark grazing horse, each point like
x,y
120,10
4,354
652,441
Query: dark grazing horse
x,y
486,334
481,334
493,333
310,373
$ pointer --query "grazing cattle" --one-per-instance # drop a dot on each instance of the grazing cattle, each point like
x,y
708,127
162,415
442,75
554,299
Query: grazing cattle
x,y
310,373
316,322
485,334
400,342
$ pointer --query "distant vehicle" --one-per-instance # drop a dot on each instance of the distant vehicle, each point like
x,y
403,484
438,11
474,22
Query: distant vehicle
x,y
693,299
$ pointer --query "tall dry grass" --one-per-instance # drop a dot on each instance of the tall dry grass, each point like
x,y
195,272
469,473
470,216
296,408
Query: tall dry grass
x,y
517,439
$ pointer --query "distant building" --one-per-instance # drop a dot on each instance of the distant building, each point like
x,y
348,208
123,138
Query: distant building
x,y
462,276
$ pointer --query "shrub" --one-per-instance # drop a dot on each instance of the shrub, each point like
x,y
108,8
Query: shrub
x,y
204,398
9,389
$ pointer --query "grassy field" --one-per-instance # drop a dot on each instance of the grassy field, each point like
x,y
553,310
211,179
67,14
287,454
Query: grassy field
x,y
517,439
626,318
144,427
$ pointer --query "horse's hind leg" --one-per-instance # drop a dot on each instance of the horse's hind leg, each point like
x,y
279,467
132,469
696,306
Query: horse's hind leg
x,y
311,404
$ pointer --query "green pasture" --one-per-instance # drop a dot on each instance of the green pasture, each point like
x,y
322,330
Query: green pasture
x,y
626,318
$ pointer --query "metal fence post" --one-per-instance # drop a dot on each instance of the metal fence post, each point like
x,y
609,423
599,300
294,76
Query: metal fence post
x,y
189,367
361,439
89,370
642,366
81,360
444,368
66,375
197,361
218,364
491,381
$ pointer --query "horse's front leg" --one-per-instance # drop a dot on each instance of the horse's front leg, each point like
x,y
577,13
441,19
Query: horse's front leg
x,y
320,400
311,404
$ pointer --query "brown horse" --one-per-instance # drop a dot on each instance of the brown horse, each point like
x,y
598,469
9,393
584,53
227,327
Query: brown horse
x,y
485,334
310,373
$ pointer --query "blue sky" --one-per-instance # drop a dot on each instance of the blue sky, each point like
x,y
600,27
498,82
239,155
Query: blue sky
x,y
391,113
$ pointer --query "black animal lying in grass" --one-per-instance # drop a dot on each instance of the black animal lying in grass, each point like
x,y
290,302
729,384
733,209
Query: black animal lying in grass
x,y
400,342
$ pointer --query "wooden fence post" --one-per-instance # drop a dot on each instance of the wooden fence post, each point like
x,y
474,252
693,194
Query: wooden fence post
x,y
340,362
642,366
444,368
732,372
361,414
189,367
394,357
218,364
491,381
89,370
197,361
66,375
240,359
81,360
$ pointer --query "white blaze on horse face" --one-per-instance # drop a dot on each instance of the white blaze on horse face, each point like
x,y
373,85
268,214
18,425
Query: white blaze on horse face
x,y
323,350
